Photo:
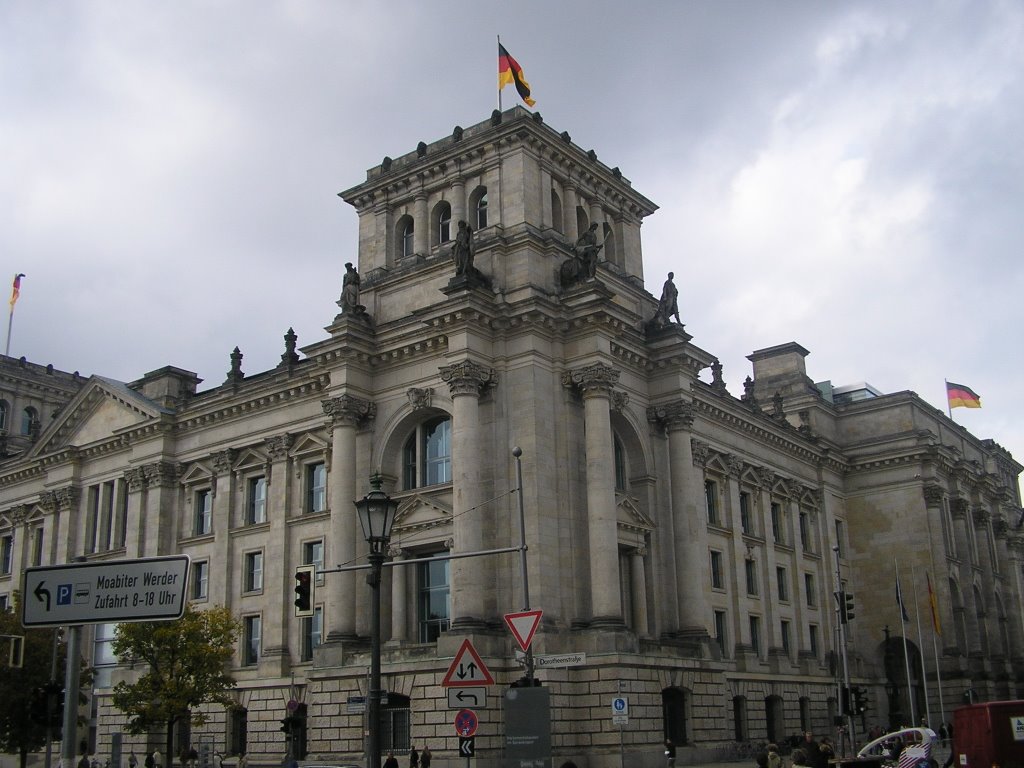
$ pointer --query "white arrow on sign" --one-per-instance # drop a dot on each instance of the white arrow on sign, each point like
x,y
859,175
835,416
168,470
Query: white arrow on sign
x,y
467,698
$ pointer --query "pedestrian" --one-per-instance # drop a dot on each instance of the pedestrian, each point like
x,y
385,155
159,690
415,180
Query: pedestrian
x,y
761,760
774,758
813,751
84,762
149,762
414,757
133,761
391,762
158,760
828,752
799,757
425,756
670,753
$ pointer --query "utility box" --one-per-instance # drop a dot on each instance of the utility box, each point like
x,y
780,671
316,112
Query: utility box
x,y
989,734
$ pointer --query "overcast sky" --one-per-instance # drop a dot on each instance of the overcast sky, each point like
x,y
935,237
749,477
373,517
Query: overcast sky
x,y
846,175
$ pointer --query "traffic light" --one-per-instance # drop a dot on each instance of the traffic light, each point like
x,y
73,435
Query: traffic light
x,y
845,607
304,590
860,699
290,726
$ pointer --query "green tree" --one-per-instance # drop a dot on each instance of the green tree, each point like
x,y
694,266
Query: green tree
x,y
187,662
22,725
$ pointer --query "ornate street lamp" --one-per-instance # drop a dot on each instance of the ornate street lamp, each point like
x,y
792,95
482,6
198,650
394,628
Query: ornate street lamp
x,y
376,513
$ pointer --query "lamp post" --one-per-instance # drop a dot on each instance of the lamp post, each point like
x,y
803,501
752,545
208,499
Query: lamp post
x,y
376,511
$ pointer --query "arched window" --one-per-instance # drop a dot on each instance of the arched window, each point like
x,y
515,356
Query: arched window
x,y
427,456
620,466
775,719
443,223
405,240
4,408
739,718
673,712
480,211
28,417
556,212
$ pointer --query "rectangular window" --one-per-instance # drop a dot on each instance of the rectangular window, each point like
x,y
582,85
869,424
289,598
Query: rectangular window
x,y
782,579
778,535
253,571
841,537
312,633
37,546
812,600
239,730
434,599
6,554
805,532
316,488
720,632
5,602
755,634
200,579
251,640
746,514
313,554
784,634
711,499
716,570
204,512
256,509
103,658
813,638
751,573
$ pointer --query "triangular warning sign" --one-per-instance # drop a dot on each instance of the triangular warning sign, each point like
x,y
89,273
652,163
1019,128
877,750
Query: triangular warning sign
x,y
523,625
467,668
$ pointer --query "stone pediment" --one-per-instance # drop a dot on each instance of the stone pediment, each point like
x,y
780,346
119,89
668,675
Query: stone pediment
x,y
631,517
197,474
420,513
102,409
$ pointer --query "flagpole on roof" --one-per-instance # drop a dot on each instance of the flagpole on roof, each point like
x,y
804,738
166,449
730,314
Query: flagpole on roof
x,y
15,292
499,72
945,382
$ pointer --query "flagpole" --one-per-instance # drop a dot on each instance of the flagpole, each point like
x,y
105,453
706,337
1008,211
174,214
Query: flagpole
x,y
933,605
945,382
10,322
499,84
906,653
15,290
920,645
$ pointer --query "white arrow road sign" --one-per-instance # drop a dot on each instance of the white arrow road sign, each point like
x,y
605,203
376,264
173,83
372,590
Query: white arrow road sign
x,y
467,698
150,589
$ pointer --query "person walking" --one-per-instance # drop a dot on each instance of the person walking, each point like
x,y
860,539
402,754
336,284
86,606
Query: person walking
x,y
670,753
414,757
391,762
774,758
425,757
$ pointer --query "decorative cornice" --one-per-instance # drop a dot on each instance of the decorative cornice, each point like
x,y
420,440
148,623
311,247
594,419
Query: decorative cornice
x,y
468,378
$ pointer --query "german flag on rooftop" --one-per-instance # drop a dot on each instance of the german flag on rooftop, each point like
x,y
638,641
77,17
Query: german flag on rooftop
x,y
509,72
960,396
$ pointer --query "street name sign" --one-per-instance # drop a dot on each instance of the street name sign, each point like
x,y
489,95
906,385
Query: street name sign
x,y
560,660
150,589
467,669
461,698
523,626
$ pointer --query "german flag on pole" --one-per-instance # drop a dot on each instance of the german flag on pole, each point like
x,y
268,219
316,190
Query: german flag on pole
x,y
509,72
16,289
960,396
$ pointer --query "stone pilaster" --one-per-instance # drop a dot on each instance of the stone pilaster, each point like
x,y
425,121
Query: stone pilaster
x,y
345,414
467,380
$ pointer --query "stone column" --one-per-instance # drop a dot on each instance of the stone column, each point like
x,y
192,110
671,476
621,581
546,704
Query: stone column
x,y
458,203
223,488
161,490
135,480
421,225
345,413
960,511
278,568
19,538
62,503
595,382
690,526
638,583
572,231
467,380
399,597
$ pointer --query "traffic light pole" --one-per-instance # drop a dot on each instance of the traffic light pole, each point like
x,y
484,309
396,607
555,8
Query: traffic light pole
x,y
841,596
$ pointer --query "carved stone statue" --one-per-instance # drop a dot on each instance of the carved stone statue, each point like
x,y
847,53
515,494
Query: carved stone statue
x,y
350,290
462,249
668,305
583,264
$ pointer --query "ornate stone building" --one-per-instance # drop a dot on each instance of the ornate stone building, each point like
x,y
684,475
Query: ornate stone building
x,y
685,539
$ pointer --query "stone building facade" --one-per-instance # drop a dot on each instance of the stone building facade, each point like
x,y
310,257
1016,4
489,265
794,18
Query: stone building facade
x,y
685,539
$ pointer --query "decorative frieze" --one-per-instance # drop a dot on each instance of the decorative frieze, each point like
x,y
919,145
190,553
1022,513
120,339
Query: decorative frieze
x,y
468,378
